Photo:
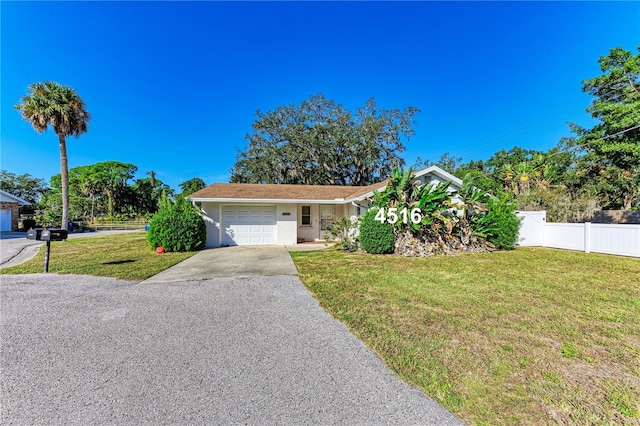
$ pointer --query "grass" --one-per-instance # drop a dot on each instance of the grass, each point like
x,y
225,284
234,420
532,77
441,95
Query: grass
x,y
530,336
124,256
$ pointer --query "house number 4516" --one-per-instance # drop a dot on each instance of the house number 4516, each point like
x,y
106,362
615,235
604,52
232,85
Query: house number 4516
x,y
393,215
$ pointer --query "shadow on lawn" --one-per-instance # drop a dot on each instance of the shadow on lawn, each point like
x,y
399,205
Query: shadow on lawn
x,y
118,262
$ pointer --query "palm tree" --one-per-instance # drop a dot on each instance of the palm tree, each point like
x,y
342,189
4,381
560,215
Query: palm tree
x,y
50,103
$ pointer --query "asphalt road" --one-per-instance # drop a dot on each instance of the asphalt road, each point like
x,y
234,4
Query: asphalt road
x,y
253,350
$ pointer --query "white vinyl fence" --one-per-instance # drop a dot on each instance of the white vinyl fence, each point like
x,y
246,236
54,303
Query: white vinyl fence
x,y
623,240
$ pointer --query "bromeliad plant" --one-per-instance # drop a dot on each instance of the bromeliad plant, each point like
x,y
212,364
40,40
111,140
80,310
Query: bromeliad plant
x,y
405,195
426,221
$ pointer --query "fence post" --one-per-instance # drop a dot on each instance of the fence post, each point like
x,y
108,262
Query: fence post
x,y
587,237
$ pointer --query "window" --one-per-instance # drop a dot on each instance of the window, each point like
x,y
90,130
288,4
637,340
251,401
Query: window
x,y
327,214
305,217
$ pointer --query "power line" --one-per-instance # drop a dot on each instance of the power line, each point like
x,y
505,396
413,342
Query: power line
x,y
617,134
527,128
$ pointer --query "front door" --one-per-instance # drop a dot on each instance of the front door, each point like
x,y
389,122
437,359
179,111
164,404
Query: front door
x,y
327,215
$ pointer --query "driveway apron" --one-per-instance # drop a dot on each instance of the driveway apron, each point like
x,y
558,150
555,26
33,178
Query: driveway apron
x,y
226,262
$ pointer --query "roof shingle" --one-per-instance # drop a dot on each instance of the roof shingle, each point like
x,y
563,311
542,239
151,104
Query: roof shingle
x,y
282,192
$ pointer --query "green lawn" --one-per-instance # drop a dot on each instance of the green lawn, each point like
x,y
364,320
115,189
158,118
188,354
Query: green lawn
x,y
530,336
125,256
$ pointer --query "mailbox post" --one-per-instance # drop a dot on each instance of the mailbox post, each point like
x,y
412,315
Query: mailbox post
x,y
48,235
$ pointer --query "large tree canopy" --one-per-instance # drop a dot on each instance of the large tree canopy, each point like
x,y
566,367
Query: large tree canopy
x,y
321,142
25,186
103,190
51,104
191,186
613,145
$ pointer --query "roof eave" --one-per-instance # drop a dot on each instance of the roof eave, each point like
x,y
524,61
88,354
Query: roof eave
x,y
268,200
433,170
18,200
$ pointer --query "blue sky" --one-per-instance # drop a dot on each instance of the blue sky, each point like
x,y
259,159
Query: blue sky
x,y
174,87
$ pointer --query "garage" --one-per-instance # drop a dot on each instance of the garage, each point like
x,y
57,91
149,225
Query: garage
x,y
248,225
5,220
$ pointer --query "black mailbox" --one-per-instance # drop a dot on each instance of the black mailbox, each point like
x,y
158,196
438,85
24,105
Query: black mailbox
x,y
54,235
42,234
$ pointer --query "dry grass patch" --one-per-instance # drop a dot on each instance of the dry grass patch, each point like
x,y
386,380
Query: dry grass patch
x,y
124,256
522,337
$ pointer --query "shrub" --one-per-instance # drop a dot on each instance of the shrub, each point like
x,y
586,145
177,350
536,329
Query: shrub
x,y
177,227
505,224
28,224
376,237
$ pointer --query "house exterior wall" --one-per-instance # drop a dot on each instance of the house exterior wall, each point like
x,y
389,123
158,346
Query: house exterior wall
x,y
15,213
287,224
211,215
309,232
313,232
286,221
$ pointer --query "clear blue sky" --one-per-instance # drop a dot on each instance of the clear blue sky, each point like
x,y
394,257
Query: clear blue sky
x,y
173,87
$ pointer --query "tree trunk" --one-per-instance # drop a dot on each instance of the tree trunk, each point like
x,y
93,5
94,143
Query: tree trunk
x,y
64,178
110,202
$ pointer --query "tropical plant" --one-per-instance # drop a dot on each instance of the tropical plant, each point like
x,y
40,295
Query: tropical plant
x,y
465,224
51,104
342,229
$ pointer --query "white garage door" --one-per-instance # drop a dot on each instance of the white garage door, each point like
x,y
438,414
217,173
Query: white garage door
x,y
5,220
248,225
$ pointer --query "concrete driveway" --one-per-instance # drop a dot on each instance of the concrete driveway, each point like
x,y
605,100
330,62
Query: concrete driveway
x,y
248,350
227,262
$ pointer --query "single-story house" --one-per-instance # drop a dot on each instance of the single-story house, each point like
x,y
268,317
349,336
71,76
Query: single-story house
x,y
9,213
259,214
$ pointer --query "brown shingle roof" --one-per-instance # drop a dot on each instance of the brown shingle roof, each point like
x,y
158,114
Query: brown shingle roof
x,y
283,192
258,191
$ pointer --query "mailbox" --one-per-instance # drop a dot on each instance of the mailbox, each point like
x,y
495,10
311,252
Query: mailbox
x,y
48,235
34,234
54,235
42,234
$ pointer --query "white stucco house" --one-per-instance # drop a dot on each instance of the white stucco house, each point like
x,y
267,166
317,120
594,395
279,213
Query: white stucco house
x,y
260,214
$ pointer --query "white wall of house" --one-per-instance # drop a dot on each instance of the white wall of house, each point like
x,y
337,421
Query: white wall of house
x,y
287,223
211,215
428,179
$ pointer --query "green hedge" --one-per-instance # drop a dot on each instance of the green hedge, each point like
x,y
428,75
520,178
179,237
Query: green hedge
x,y
504,221
376,237
177,227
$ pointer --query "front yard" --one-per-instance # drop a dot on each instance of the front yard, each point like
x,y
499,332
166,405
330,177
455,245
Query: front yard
x,y
124,256
530,336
